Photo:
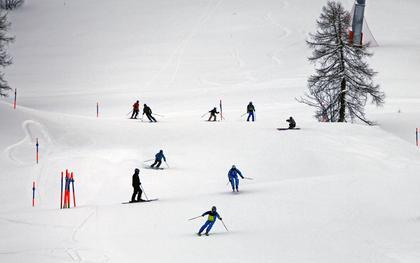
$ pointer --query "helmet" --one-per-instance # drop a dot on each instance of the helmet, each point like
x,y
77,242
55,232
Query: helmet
x,y
233,166
136,170
213,209
137,101
161,151
290,117
250,102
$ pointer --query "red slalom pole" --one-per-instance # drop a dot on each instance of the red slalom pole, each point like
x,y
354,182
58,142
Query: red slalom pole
x,y
37,150
72,184
66,198
97,109
61,195
417,137
33,193
14,101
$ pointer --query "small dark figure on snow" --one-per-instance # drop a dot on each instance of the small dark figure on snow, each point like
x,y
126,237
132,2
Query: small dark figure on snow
x,y
148,111
292,123
211,219
213,113
233,178
250,109
158,159
136,186
135,110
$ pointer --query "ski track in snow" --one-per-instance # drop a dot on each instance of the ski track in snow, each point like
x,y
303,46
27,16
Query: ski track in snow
x,y
32,130
180,49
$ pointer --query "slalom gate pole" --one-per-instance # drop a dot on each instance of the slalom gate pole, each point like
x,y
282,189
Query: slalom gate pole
x,y
61,195
33,193
224,225
72,184
66,192
194,218
144,192
97,109
417,136
14,101
37,150
221,110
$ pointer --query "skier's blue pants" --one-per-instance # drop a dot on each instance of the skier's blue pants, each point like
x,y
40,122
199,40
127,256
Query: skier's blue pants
x,y
250,114
234,181
208,224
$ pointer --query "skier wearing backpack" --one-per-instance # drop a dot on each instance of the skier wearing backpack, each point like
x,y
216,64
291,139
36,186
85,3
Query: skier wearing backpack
x,y
213,113
211,219
250,109
233,178
292,123
158,159
136,187
135,110
148,111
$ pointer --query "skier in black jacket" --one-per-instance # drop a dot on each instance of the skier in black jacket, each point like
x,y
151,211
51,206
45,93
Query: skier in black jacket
x,y
292,123
250,109
213,113
136,185
148,111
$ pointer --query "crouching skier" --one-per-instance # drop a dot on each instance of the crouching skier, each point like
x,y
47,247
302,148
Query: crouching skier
x,y
158,159
211,219
233,178
292,123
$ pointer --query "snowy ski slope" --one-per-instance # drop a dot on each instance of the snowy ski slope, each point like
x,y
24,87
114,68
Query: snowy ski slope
x,y
326,193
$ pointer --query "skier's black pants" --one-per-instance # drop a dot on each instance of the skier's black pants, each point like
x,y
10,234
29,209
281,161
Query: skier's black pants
x,y
158,164
134,115
150,117
212,115
292,126
137,191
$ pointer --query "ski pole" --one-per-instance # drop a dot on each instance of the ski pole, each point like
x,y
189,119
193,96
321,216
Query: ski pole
x,y
144,192
248,178
194,218
160,115
244,114
129,112
167,164
224,225
204,114
148,160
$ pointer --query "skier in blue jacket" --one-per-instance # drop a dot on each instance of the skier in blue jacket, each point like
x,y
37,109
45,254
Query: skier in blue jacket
x,y
211,219
233,178
158,159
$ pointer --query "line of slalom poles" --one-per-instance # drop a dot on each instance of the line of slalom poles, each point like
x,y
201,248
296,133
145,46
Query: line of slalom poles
x,y
67,187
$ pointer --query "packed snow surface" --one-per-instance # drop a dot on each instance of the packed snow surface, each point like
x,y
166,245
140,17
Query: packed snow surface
x,y
325,193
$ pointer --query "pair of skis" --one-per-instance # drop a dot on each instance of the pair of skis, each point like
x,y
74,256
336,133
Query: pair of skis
x,y
202,216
